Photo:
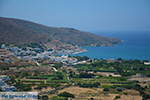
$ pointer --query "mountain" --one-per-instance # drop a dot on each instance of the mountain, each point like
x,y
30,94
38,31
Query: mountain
x,y
21,32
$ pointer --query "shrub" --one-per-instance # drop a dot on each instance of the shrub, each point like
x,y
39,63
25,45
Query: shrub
x,y
85,75
54,85
146,96
119,90
44,97
87,85
92,98
58,98
27,89
38,87
106,89
125,93
117,97
66,94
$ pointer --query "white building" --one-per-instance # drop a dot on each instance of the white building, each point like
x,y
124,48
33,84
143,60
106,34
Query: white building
x,y
147,63
4,86
2,83
3,46
8,88
4,77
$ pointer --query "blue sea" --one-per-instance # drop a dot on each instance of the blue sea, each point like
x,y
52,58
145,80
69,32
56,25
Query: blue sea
x,y
136,45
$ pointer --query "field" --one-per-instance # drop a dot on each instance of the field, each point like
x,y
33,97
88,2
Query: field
x,y
98,94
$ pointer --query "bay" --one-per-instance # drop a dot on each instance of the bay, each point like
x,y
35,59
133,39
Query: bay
x,y
136,45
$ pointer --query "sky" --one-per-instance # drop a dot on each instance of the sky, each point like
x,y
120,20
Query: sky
x,y
85,15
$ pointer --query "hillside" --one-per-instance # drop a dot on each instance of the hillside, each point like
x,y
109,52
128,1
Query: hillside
x,y
21,32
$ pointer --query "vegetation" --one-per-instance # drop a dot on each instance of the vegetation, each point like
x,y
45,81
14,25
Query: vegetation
x,y
66,94
23,87
32,80
101,66
58,77
59,98
106,89
44,97
89,85
117,97
57,66
87,76
81,58
41,34
41,85
122,67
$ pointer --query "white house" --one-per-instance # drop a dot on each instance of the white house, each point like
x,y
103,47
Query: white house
x,y
147,63
2,83
4,77
8,88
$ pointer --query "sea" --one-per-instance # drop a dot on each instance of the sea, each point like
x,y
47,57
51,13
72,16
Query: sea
x,y
136,45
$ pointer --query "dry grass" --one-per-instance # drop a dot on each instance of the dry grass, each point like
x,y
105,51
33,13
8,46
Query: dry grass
x,y
131,92
130,97
73,69
98,94
78,91
107,74
142,79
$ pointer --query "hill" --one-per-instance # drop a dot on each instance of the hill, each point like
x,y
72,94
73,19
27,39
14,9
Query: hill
x,y
21,32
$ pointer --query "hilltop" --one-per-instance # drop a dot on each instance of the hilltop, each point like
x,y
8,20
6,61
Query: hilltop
x,y
21,32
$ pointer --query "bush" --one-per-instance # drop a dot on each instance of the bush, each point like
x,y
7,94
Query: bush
x,y
119,90
54,85
58,98
106,89
38,87
92,98
117,97
146,96
85,75
22,87
27,89
125,93
87,85
148,74
44,97
36,77
66,94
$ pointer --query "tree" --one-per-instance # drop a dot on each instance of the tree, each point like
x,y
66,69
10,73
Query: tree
x,y
71,73
119,59
85,58
57,66
136,61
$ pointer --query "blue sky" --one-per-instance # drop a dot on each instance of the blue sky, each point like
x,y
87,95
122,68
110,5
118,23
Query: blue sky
x,y
86,15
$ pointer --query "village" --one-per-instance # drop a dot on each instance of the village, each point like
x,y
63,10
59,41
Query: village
x,y
29,53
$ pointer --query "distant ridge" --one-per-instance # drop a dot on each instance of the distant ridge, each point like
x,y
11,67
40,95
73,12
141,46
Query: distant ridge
x,y
21,32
